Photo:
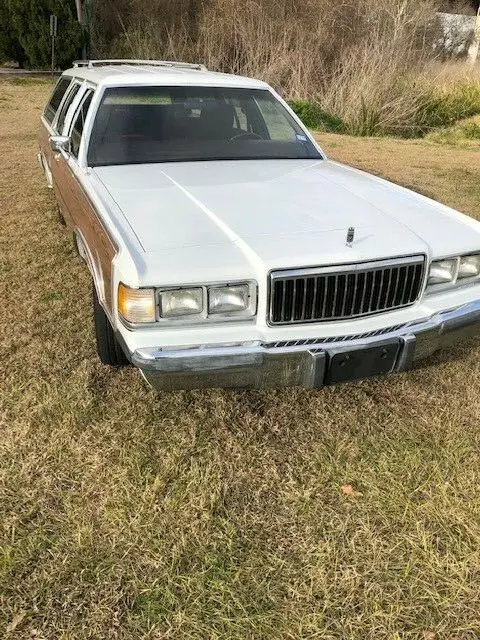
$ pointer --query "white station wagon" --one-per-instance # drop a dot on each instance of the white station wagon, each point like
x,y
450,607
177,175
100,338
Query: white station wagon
x,y
226,250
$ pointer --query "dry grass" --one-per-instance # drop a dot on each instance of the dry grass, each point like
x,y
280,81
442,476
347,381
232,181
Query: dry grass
x,y
368,64
308,49
452,73
217,514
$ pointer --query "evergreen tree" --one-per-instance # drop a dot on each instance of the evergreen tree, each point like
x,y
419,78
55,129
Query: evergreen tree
x,y
25,32
10,47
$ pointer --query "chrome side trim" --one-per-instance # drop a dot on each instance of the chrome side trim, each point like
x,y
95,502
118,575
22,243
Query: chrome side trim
x,y
44,166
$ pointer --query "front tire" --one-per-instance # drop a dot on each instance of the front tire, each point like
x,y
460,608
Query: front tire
x,y
108,348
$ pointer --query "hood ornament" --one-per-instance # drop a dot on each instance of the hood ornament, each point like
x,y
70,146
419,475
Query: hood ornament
x,y
350,236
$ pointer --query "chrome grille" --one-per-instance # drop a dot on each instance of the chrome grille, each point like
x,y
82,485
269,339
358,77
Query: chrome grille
x,y
348,291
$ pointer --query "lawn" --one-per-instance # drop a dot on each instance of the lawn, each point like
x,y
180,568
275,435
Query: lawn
x,y
220,514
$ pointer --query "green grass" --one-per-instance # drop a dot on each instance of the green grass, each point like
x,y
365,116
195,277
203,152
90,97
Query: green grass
x,y
464,133
217,514
52,296
28,81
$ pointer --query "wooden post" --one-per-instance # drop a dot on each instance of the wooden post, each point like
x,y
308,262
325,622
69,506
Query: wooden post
x,y
81,20
78,4
53,33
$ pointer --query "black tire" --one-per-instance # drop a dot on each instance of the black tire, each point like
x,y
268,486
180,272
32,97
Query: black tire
x,y
108,348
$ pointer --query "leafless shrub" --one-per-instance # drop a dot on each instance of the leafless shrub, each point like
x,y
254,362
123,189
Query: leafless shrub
x,y
372,86
355,57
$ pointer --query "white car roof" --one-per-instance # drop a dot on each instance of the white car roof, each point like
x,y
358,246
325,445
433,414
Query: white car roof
x,y
155,72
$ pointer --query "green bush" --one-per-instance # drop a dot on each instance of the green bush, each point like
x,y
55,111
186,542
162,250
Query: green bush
x,y
314,117
445,107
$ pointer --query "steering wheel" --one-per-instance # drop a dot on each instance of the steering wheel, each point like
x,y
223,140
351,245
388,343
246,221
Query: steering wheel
x,y
244,135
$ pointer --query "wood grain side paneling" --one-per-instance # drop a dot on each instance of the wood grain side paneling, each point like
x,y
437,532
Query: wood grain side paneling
x,y
83,216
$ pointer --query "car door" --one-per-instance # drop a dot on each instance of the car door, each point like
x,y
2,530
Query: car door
x,y
58,161
47,127
99,247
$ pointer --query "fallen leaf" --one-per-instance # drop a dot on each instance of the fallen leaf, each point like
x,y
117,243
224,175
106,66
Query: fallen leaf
x,y
348,490
16,621
428,635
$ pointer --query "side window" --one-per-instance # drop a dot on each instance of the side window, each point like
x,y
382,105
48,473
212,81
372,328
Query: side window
x,y
55,100
65,106
79,122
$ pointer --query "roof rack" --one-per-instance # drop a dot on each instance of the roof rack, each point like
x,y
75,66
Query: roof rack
x,y
89,64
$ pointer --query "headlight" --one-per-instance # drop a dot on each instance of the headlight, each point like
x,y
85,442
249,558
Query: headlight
x,y
228,299
194,304
181,302
136,306
469,266
443,271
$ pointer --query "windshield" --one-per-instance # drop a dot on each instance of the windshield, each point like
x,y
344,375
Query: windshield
x,y
167,124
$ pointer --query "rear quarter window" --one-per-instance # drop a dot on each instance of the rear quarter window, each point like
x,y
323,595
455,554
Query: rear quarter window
x,y
56,98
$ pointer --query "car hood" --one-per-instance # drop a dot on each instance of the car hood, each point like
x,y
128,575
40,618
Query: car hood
x,y
281,213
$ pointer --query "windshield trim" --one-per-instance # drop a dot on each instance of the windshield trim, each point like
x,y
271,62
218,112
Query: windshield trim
x,y
204,159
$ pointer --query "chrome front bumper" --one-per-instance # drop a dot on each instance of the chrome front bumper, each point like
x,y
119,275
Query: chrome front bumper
x,y
302,363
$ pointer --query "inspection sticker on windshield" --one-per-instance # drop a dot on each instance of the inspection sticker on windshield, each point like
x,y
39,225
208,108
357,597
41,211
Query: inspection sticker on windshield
x,y
301,137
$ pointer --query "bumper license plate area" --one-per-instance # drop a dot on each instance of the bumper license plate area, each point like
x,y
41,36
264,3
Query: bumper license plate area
x,y
356,364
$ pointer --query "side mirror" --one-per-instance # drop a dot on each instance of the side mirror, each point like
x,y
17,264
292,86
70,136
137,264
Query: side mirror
x,y
60,143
